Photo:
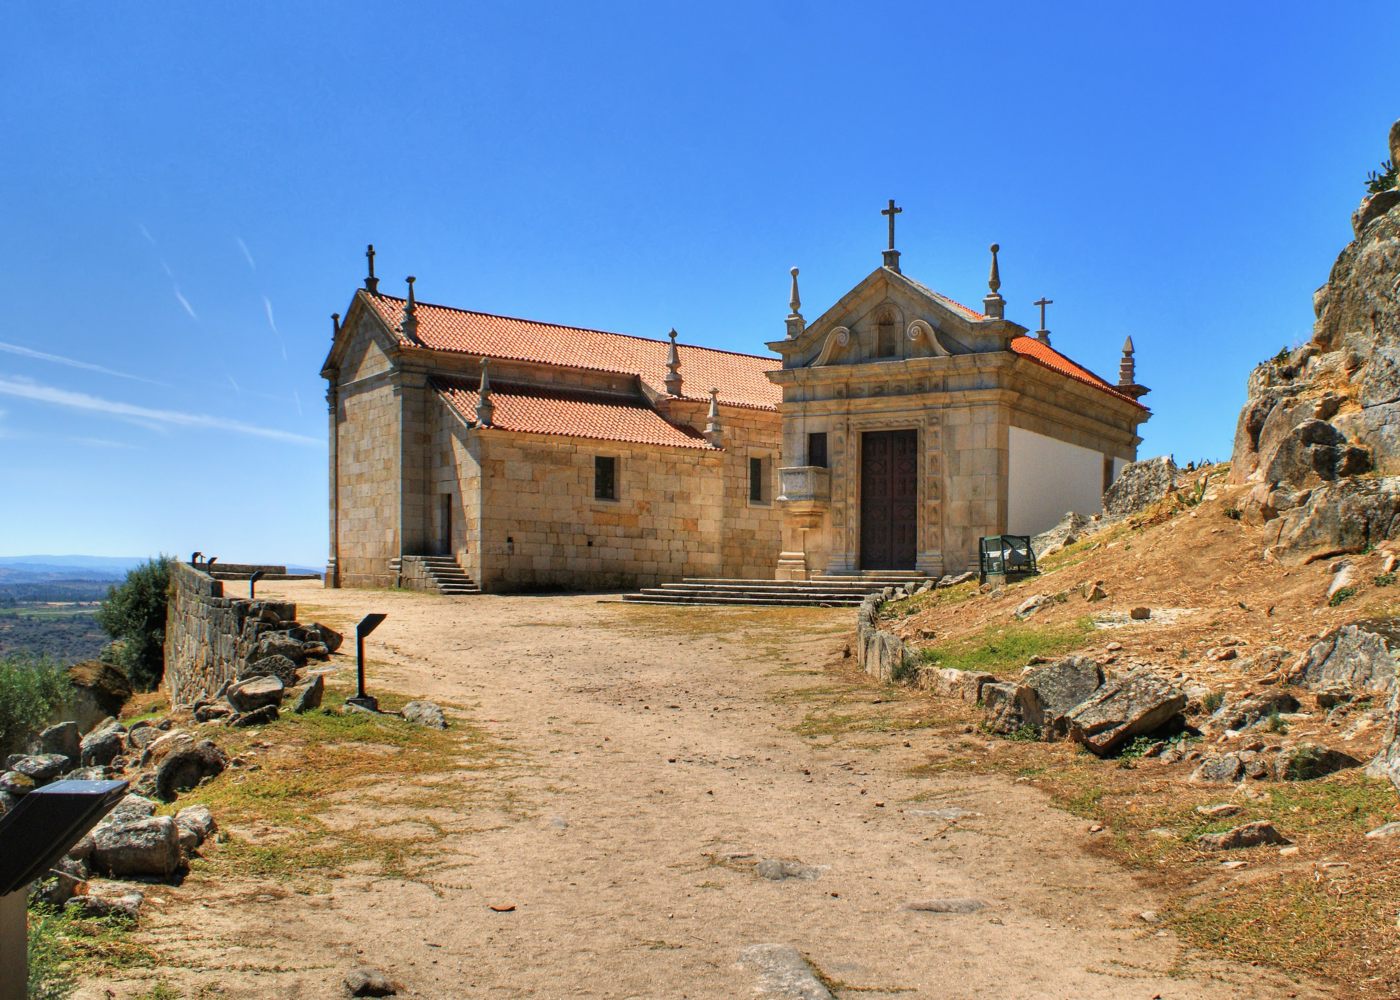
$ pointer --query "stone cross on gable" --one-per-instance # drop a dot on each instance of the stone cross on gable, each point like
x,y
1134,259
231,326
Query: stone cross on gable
x,y
1043,334
891,211
891,255
371,282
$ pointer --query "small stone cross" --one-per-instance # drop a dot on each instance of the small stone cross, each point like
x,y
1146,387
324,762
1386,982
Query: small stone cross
x,y
891,212
1043,302
369,255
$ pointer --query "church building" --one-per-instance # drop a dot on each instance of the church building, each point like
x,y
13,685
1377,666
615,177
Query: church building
x,y
888,434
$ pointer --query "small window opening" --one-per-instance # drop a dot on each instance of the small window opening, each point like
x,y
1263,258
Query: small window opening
x,y
816,449
604,478
756,480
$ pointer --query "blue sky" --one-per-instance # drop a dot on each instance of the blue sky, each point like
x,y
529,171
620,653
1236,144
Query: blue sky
x,y
188,190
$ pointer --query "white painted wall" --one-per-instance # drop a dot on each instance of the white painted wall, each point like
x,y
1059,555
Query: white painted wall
x,y
1119,464
1047,478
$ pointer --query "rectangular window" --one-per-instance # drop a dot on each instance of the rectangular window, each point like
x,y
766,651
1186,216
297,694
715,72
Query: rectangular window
x,y
816,450
604,478
756,478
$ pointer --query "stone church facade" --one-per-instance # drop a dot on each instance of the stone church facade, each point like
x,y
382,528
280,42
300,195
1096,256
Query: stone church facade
x,y
888,434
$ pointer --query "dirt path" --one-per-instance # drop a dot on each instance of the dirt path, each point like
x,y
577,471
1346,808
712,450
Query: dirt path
x,y
648,746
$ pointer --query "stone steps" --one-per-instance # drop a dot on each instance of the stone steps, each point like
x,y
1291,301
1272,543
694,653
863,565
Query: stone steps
x,y
447,575
827,592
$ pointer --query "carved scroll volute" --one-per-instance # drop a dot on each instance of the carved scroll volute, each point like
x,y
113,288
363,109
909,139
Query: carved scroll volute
x,y
836,341
922,330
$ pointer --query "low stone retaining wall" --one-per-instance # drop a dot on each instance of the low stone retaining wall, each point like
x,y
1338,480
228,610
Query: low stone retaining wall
x,y
881,654
207,635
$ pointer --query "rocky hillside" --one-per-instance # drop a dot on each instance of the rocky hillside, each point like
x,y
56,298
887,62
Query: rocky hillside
x,y
1318,441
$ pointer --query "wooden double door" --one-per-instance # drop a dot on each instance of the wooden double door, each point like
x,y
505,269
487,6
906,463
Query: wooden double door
x,y
889,499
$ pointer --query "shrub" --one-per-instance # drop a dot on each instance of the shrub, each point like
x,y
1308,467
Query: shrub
x,y
1382,180
30,690
134,616
1346,593
1213,701
1384,579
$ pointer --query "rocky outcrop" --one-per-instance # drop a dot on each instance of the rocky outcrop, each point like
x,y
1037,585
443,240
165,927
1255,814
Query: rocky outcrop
x,y
1139,486
1320,416
1355,658
1070,529
1138,703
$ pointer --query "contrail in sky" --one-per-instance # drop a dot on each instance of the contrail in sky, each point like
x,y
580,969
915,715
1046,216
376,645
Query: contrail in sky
x,y
267,305
247,255
186,303
26,352
24,389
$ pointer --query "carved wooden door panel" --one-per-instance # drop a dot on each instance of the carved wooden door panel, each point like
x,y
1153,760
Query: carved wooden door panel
x,y
889,499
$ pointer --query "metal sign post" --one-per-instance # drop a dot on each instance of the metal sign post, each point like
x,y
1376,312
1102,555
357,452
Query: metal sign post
x,y
41,828
253,582
367,625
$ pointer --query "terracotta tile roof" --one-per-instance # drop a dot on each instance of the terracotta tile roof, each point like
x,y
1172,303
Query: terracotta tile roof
x,y
739,377
1044,354
573,414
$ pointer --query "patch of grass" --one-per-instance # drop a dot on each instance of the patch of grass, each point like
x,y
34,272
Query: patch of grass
x,y
1003,647
1384,579
1023,734
405,773
907,607
1212,702
63,947
1341,596
1275,723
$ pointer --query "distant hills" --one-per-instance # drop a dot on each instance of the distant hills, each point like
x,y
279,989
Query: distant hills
x,y
53,569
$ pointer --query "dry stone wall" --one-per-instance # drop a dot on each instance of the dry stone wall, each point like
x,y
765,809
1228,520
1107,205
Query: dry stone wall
x,y
207,635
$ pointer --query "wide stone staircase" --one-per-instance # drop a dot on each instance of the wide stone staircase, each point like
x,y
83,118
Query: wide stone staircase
x,y
442,573
820,591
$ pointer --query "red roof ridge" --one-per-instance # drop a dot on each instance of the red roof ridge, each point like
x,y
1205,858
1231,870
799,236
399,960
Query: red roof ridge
x,y
1030,348
582,329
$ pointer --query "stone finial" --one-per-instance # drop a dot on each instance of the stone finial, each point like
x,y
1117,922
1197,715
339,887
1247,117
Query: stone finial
x,y
409,325
1127,373
795,323
485,409
994,305
713,431
335,325
371,282
673,367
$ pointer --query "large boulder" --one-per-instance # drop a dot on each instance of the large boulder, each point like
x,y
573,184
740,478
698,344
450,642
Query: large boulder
x,y
64,738
1138,703
148,846
329,637
185,768
41,767
964,685
254,693
1355,658
1306,761
1251,709
102,745
276,665
1069,530
100,690
308,699
1248,835
277,644
1057,689
1139,486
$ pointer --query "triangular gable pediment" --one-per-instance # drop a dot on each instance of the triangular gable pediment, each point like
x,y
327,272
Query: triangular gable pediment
x,y
361,340
888,316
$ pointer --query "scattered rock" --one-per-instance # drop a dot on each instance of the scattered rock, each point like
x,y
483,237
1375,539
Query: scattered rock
x,y
1135,704
951,813
1305,761
57,887
257,717
960,905
63,738
1248,835
140,737
964,685
1094,592
308,699
425,713
198,820
15,784
1031,605
131,806
1345,576
1140,614
777,870
1386,763
254,693
1384,832
1220,810
369,983
1252,710
42,768
1224,768
1007,705
100,690
783,973
213,712
101,746
275,644
1069,530
187,767
275,665
953,581
143,847
127,905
